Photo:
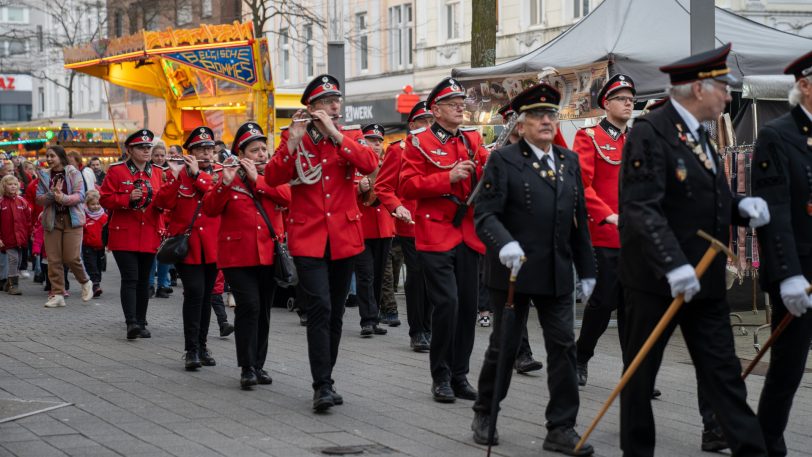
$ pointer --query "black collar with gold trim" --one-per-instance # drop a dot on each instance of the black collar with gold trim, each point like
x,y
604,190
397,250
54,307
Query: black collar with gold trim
x,y
314,133
442,134
610,129
134,169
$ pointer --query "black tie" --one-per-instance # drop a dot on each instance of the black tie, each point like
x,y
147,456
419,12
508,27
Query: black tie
x,y
548,172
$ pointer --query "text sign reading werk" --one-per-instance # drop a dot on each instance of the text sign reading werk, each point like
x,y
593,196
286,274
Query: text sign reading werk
x,y
235,63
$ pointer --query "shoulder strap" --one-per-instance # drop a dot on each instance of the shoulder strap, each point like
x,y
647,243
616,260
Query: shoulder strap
x,y
261,210
194,217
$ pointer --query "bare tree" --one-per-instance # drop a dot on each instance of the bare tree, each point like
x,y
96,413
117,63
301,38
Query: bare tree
x,y
290,13
483,33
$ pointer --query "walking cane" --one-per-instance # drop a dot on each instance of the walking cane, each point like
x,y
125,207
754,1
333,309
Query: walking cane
x,y
508,320
672,310
774,336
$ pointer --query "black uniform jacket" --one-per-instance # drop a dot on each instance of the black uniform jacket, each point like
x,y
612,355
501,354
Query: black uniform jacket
x,y
782,175
518,203
667,193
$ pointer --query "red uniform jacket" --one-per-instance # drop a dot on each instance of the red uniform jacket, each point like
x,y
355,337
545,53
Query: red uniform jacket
x,y
600,149
375,219
244,239
326,210
15,222
92,231
31,197
132,228
387,183
427,161
179,197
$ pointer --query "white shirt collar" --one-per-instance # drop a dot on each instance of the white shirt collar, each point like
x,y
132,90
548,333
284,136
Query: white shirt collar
x,y
808,114
690,120
539,153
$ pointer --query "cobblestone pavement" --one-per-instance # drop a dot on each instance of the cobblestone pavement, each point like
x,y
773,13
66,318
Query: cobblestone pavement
x,y
133,398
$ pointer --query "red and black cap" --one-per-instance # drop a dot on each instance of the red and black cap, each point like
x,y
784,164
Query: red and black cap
x,y
447,88
615,84
801,67
542,96
320,86
201,136
506,111
140,138
706,65
247,133
419,111
373,131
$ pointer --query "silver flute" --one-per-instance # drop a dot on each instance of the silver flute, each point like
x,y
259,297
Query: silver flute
x,y
308,119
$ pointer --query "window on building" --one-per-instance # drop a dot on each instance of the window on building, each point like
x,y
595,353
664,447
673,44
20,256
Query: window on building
x,y
40,39
452,19
132,16
308,37
16,47
536,12
580,8
284,45
41,97
118,23
183,12
15,14
401,30
363,40
205,8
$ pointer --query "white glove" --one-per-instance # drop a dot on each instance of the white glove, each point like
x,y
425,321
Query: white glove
x,y
793,294
756,209
683,280
511,256
587,287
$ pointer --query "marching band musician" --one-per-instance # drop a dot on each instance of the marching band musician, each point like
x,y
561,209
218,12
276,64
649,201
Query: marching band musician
x,y
324,223
378,232
188,180
245,245
532,206
418,308
135,226
441,165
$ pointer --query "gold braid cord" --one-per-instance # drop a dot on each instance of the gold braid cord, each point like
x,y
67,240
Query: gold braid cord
x,y
416,143
591,134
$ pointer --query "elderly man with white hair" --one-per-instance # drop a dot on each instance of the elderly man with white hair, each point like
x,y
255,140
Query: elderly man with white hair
x,y
782,175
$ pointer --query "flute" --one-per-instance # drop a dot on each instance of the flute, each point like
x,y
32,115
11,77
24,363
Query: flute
x,y
181,160
237,165
308,119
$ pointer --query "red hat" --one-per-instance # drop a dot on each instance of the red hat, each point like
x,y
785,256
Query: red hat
x,y
201,136
448,87
140,138
801,67
615,84
506,111
373,131
706,65
418,111
320,86
247,133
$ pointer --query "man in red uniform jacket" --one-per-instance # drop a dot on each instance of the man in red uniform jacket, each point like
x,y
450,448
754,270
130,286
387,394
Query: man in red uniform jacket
x,y
324,224
600,149
135,226
441,165
418,308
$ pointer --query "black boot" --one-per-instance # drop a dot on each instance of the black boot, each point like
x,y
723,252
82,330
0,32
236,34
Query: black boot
x,y
463,389
133,331
713,440
248,378
525,363
192,360
563,440
206,359
263,377
480,427
323,399
583,373
226,329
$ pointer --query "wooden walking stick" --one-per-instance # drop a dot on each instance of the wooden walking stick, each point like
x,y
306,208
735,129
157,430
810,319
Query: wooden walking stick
x,y
774,336
715,247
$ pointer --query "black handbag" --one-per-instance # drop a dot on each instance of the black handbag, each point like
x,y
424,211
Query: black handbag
x,y
285,273
174,249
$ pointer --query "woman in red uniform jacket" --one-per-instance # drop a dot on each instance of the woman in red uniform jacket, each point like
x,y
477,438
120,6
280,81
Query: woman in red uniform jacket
x,y
246,246
188,179
135,226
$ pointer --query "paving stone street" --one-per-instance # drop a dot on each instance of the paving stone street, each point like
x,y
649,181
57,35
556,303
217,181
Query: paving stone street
x,y
133,398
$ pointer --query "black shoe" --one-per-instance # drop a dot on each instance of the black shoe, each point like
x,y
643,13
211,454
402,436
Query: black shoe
x,y
563,440
263,377
366,331
162,292
248,378
39,278
655,393
151,291
464,390
713,440
323,399
226,329
418,343
352,301
379,330
390,319
133,331
173,282
206,359
526,363
480,427
97,291
337,398
442,392
583,373
144,332
192,360
428,338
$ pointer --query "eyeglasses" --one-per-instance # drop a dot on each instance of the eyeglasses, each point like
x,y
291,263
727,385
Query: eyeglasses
x,y
327,101
541,114
622,99
454,106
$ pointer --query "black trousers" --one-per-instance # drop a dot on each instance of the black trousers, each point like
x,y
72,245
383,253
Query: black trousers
x,y
369,267
322,291
198,281
607,297
253,289
134,268
556,319
452,282
418,306
705,325
787,362
219,308
93,259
